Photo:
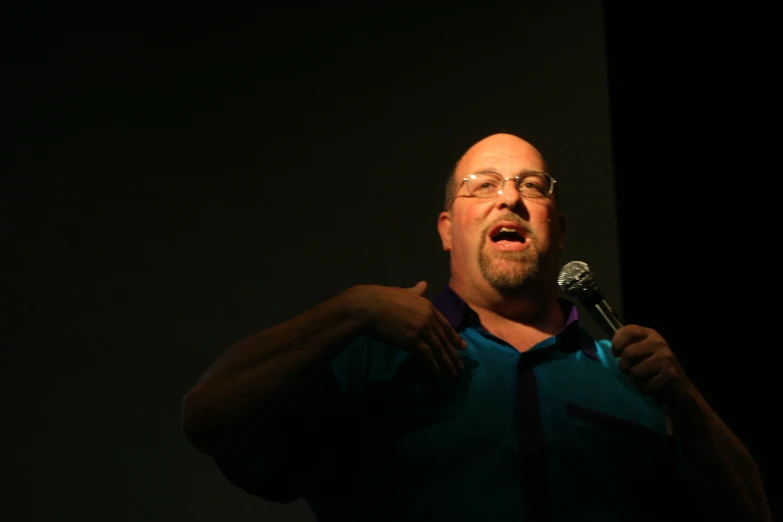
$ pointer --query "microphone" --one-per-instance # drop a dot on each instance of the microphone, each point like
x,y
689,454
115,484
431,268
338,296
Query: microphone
x,y
576,279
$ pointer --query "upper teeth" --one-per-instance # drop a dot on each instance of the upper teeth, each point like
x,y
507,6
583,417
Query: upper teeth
x,y
506,229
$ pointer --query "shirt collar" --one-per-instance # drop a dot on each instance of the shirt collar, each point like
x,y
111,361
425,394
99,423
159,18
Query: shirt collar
x,y
460,316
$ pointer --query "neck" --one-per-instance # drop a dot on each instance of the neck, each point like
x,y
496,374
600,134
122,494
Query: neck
x,y
534,309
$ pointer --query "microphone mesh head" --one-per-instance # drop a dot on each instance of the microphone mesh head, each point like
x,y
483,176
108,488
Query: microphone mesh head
x,y
576,279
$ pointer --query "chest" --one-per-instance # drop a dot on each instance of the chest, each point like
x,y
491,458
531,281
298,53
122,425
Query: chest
x,y
585,410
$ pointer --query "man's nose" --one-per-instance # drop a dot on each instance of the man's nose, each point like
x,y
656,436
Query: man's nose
x,y
510,198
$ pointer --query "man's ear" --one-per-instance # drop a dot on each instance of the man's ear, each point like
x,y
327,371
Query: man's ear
x,y
444,229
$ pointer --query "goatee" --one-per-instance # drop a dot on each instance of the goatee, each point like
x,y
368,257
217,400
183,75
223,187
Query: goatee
x,y
510,272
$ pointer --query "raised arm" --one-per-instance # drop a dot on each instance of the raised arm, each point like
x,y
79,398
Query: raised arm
x,y
239,402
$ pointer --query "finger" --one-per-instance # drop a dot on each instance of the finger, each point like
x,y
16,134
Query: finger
x,y
645,369
452,336
626,336
424,351
657,385
447,344
632,356
439,351
419,288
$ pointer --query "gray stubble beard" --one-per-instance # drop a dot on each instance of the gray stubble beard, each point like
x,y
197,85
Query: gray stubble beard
x,y
525,269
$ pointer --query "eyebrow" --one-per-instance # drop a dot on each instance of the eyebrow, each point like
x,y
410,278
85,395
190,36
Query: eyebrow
x,y
495,171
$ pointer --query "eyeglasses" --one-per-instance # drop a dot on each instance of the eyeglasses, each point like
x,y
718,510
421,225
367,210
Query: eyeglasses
x,y
529,184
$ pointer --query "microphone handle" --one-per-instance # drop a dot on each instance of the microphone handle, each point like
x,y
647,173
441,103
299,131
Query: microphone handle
x,y
604,314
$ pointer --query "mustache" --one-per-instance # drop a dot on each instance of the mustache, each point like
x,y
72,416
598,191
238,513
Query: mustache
x,y
513,218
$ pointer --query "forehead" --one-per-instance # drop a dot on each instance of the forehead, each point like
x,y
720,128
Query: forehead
x,y
503,153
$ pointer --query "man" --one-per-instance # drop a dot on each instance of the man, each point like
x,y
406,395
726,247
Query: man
x,y
490,404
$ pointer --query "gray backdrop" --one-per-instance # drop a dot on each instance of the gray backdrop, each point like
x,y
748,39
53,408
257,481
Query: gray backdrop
x,y
182,180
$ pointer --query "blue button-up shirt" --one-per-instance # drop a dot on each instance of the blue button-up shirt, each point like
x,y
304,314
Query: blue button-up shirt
x,y
551,434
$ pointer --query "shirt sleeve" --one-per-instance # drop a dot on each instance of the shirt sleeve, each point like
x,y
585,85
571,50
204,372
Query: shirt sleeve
x,y
284,477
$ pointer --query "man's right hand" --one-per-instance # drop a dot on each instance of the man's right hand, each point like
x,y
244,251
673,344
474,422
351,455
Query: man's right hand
x,y
405,319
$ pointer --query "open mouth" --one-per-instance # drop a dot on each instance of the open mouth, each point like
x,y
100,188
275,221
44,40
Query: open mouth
x,y
508,237
507,233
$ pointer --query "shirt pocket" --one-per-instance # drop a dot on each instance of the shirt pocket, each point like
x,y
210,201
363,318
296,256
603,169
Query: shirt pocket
x,y
625,454
611,423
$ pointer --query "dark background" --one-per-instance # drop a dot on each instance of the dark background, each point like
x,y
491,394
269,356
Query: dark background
x,y
177,180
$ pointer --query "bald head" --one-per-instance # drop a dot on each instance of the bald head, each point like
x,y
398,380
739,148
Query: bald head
x,y
500,144
497,146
